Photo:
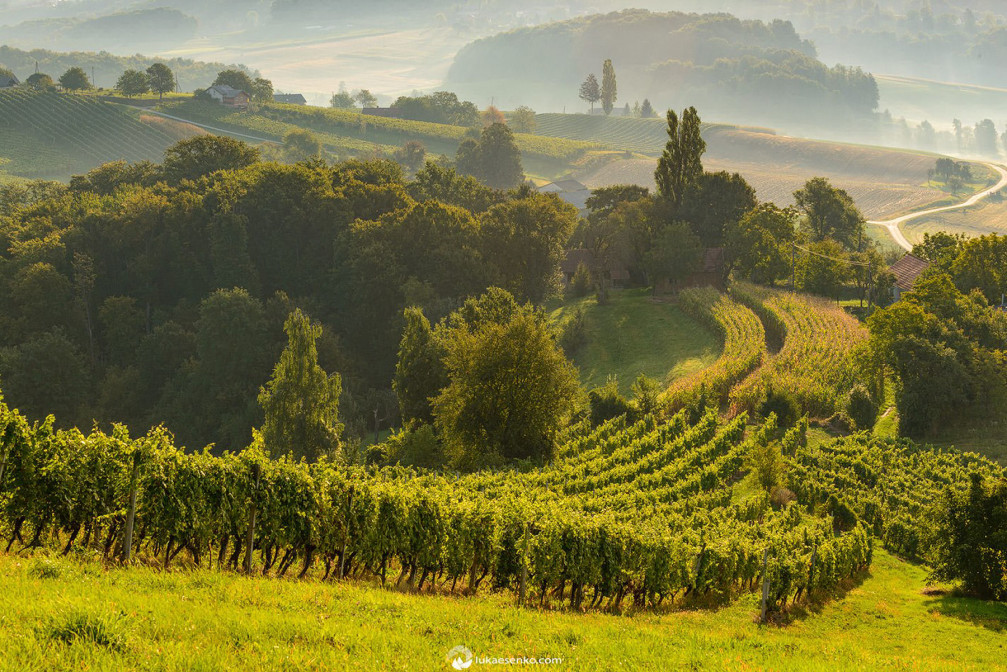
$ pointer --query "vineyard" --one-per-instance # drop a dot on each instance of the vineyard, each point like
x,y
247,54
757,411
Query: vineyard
x,y
53,136
815,363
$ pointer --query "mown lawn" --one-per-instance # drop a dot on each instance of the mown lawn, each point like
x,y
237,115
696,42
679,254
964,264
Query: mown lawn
x,y
62,615
634,334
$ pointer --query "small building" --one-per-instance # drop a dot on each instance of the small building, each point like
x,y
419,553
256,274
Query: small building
x,y
229,96
906,270
709,273
9,81
571,191
290,99
614,270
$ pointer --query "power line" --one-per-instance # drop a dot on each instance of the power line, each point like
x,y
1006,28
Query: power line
x,y
825,256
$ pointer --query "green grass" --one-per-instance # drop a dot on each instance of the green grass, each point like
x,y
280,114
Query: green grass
x,y
634,334
87,617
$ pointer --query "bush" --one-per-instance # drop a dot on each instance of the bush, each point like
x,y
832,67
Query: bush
x,y
606,403
768,465
580,285
573,336
784,405
861,409
415,447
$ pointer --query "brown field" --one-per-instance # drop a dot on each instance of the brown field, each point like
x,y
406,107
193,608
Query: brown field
x,y
883,182
987,217
178,130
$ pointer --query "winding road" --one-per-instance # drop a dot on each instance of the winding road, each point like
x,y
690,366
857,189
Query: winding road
x,y
893,224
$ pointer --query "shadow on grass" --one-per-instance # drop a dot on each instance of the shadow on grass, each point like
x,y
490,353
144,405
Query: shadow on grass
x,y
816,603
982,613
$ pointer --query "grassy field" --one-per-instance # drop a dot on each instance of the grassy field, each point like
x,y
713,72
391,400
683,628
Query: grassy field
x,y
61,615
634,334
883,182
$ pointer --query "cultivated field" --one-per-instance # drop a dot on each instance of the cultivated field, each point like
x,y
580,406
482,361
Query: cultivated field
x,y
987,217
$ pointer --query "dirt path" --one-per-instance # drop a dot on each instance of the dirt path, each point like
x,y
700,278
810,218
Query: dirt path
x,y
893,224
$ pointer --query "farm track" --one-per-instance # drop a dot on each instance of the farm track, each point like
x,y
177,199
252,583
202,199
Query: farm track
x,y
893,224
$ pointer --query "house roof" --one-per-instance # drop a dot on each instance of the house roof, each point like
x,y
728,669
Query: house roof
x,y
227,91
906,270
294,98
6,82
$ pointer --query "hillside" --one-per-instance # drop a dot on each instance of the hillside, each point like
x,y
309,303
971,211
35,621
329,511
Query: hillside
x,y
882,181
53,136
635,334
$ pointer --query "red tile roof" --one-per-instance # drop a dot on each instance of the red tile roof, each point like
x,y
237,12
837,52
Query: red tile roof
x,y
906,270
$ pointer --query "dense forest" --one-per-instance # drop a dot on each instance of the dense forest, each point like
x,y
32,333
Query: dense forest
x,y
763,72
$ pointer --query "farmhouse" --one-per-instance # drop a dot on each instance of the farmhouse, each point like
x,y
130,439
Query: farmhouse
x,y
229,96
290,98
571,191
7,82
906,270
612,270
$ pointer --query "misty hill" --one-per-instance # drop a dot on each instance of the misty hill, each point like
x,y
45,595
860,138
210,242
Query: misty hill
x,y
107,68
53,136
745,71
151,30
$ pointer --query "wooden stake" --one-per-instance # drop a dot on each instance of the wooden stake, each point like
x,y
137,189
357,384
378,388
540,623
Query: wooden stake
x,y
765,583
524,568
127,537
250,536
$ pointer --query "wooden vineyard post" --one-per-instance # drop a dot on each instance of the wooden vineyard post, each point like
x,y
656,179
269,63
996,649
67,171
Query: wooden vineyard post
x,y
522,590
127,537
250,535
811,569
346,534
765,584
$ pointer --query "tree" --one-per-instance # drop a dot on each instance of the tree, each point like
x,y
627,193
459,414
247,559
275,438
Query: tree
x,y
590,92
301,401
236,79
523,242
40,81
609,91
522,120
301,145
342,101
510,389
759,246
162,79
45,374
681,163
926,136
831,213
419,373
75,79
647,110
714,203
491,115
262,90
986,138
500,157
411,155
365,98
204,154
133,83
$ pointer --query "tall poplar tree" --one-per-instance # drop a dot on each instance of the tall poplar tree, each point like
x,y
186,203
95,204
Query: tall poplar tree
x,y
681,164
609,91
301,401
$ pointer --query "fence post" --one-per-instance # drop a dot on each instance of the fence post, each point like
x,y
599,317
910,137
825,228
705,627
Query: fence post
x,y
250,535
127,537
765,584
522,590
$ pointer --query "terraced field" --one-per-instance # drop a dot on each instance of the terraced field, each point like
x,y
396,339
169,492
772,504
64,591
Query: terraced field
x,y
53,136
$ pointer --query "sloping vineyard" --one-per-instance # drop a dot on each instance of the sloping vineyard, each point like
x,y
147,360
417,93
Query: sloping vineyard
x,y
815,363
50,135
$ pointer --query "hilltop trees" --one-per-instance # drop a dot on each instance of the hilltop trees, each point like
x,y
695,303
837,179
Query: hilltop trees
x,y
647,110
161,79
590,91
522,120
365,98
301,145
342,100
75,79
301,401
494,159
204,154
609,90
830,213
133,83
40,81
236,79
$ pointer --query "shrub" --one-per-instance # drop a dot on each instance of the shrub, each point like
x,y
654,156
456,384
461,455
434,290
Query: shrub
x,y
783,404
860,407
580,285
415,447
768,465
573,336
606,403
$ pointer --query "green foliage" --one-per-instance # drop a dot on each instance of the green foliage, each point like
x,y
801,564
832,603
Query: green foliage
x,y
676,253
681,163
414,447
966,542
301,146
441,107
206,154
76,626
830,214
133,83
609,90
419,373
236,79
759,247
75,79
606,403
301,401
510,389
522,120
161,79
646,395
581,285
861,408
590,91
494,160
342,101
40,81
412,155
768,465
783,405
